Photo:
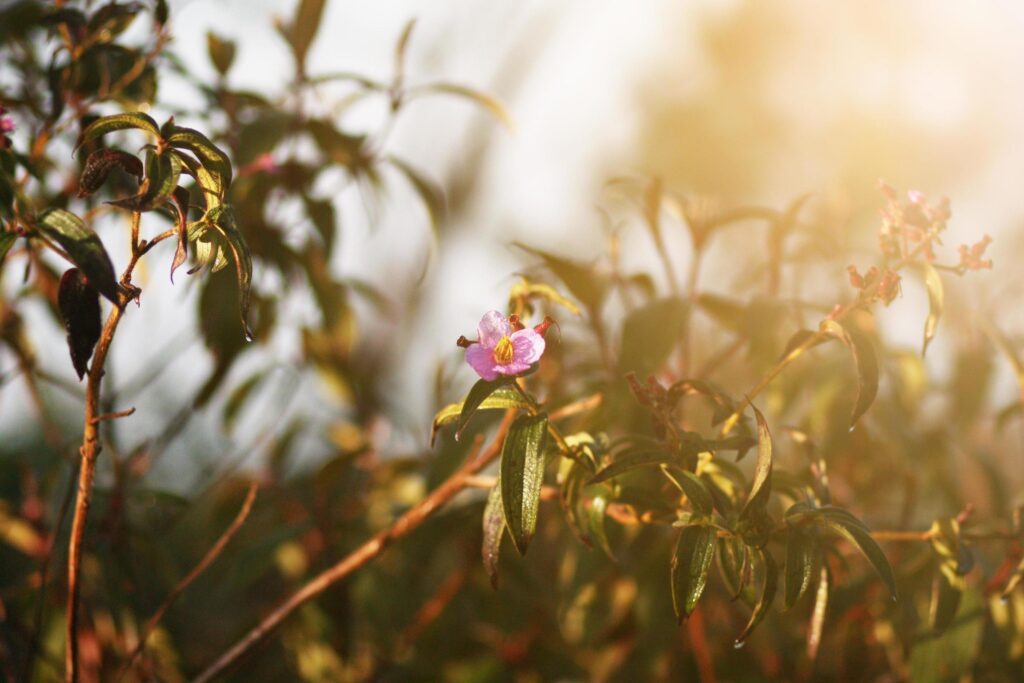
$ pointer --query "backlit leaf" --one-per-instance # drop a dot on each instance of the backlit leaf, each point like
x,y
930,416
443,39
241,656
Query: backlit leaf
x,y
109,124
474,400
771,580
483,99
212,157
864,360
801,550
501,397
862,540
429,192
522,473
936,301
760,490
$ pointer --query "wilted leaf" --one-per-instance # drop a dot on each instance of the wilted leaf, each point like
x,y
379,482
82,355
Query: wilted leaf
x,y
694,551
771,580
83,246
801,549
79,304
650,333
499,397
864,361
522,473
101,163
494,530
223,219
181,204
162,174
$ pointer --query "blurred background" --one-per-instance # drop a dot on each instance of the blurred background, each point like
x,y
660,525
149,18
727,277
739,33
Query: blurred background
x,y
731,102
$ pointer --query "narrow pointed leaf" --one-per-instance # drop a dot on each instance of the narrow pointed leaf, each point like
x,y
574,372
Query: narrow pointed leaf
x,y
475,398
109,124
771,580
429,192
7,240
694,551
817,626
863,541
484,100
946,594
695,489
760,490
522,473
633,459
936,301
801,550
595,523
223,219
79,305
501,398
864,360
181,200
83,246
494,530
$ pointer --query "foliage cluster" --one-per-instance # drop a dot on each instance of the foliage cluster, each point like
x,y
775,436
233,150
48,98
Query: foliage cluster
x,y
873,530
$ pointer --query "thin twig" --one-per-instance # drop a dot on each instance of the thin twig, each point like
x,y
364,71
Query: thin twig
x,y
212,554
113,416
412,519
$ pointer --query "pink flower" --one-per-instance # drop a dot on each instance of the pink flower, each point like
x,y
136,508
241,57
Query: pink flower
x,y
504,347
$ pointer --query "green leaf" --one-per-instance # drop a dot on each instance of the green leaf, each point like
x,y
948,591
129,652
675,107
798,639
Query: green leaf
x,y
864,361
695,549
477,393
632,459
430,193
221,51
950,656
946,594
494,530
771,580
162,174
79,305
83,246
801,552
7,240
695,489
595,514
238,398
109,124
936,301
649,335
223,219
861,538
522,473
578,277
499,397
732,562
212,157
482,99
760,490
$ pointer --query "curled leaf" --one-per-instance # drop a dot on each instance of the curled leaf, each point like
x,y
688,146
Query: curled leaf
x,y
79,305
181,199
109,124
771,580
101,163
864,360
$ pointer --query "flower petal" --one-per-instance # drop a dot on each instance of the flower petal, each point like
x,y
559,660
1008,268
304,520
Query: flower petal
x,y
493,326
527,346
481,359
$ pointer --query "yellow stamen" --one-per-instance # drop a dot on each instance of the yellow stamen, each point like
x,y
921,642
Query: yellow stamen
x,y
503,351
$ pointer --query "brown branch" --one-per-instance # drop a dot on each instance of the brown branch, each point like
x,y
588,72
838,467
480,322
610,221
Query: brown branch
x,y
212,554
113,416
431,610
412,519
89,452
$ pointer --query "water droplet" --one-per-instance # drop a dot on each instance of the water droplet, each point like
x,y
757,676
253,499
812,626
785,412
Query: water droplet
x,y
1004,599
852,427
738,645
